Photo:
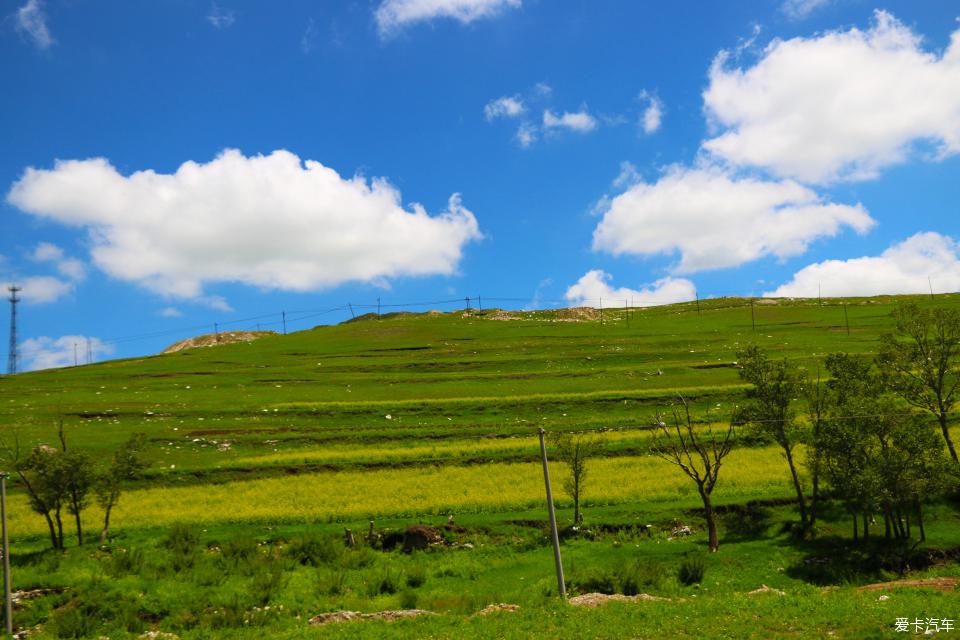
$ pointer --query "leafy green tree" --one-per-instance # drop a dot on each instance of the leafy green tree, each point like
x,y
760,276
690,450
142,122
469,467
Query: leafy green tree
x,y
575,450
878,457
770,408
125,465
699,454
921,361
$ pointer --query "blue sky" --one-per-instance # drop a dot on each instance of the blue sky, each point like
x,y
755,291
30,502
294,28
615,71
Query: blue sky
x,y
171,164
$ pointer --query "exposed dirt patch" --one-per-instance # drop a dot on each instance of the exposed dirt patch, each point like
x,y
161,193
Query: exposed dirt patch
x,y
494,608
596,599
947,585
765,589
347,616
420,536
718,365
214,339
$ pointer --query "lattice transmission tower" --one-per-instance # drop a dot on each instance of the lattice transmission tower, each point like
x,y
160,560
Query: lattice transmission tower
x,y
12,358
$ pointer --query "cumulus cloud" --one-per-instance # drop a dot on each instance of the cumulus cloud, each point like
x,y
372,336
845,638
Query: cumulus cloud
x,y
70,267
839,106
652,115
220,18
31,19
593,289
395,14
579,121
800,9
41,289
170,312
49,353
273,221
920,262
505,107
715,220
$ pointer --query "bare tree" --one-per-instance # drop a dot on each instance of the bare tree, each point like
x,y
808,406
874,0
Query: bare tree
x,y
921,361
698,455
574,450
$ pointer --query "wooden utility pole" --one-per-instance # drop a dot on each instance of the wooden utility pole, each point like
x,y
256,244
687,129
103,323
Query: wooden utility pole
x,y
479,303
216,331
561,584
378,308
626,313
846,317
283,315
351,310
601,312
930,282
7,599
697,293
753,318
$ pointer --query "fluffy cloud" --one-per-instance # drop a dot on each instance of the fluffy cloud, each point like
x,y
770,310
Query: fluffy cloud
x,y
269,221
912,266
714,220
652,115
579,121
49,353
505,107
594,288
220,18
70,267
394,14
170,312
800,9
838,106
41,289
31,19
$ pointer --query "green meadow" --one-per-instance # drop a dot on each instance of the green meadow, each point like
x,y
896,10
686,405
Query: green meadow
x,y
261,454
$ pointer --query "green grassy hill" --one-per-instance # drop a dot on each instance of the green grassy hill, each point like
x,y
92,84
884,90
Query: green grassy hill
x,y
411,417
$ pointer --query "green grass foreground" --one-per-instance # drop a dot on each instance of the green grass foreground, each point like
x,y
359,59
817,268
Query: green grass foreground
x,y
266,451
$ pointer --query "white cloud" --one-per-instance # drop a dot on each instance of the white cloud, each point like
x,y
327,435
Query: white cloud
x,y
308,41
394,14
269,221
652,114
171,312
526,134
839,106
593,289
579,121
40,289
220,18
714,220
32,20
505,107
49,353
800,9
72,268
911,266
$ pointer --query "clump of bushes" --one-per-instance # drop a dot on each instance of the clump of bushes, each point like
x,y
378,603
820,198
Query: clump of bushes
x,y
691,571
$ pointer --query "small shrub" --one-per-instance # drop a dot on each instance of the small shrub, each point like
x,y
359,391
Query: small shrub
x,y
408,600
416,577
124,562
641,576
236,552
267,582
70,622
314,550
384,583
181,539
691,571
331,582
595,581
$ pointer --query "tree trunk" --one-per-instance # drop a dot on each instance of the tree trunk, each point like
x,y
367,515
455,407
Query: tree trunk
x,y
866,527
79,528
923,534
801,502
59,522
942,417
815,497
886,524
714,539
53,531
106,523
856,527
576,510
